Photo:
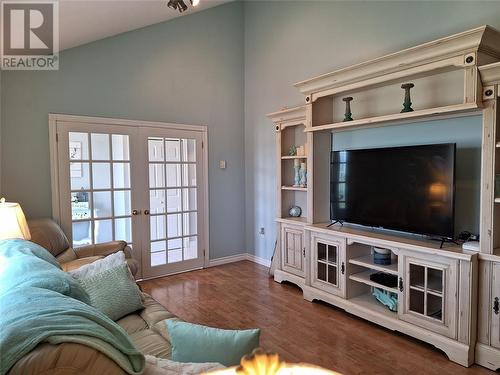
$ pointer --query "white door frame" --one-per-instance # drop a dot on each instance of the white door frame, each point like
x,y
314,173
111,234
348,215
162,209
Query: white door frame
x,y
55,119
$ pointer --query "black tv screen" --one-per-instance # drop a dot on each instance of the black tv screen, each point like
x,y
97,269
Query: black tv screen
x,y
408,189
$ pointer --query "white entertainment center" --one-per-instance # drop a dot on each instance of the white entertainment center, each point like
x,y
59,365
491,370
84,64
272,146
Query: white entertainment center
x,y
446,296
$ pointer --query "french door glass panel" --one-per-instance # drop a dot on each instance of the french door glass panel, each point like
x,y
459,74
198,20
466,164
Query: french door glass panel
x,y
172,200
100,188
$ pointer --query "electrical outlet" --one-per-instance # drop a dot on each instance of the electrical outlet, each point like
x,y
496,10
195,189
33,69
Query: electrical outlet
x,y
222,164
261,231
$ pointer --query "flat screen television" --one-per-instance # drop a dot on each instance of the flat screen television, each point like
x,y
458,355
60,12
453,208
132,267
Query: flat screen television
x,y
408,189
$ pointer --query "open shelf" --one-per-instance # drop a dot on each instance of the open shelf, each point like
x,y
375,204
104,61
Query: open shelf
x,y
396,117
367,261
293,188
370,303
289,157
364,277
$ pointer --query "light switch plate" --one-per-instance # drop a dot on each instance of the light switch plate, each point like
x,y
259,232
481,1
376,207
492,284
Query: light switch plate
x,y
222,164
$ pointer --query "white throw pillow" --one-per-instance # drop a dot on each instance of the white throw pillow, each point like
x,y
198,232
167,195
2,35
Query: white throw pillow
x,y
98,266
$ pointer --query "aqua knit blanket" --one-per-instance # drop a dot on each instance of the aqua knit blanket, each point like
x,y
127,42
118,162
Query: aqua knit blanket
x,y
41,303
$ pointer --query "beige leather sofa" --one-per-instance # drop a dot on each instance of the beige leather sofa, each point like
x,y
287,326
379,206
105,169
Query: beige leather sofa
x,y
47,233
146,328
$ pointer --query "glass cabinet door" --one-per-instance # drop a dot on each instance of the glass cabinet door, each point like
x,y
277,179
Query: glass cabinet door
x,y
327,265
428,290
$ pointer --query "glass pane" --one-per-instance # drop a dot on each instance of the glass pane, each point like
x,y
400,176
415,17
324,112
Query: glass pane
x,y
156,175
78,146
332,254
158,246
121,175
120,147
190,223
189,150
100,146
172,147
321,251
102,204
332,275
123,229
80,209
174,225
80,176
417,301
122,203
190,248
417,277
174,256
174,200
174,244
82,233
157,227
189,174
322,271
189,196
155,149
101,175
103,231
434,306
157,201
159,258
173,175
435,280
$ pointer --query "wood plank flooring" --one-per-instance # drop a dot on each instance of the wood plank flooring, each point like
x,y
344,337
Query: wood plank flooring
x,y
241,295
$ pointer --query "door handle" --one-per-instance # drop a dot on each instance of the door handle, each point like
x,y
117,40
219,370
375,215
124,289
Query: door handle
x,y
146,212
304,252
342,268
496,306
401,284
136,212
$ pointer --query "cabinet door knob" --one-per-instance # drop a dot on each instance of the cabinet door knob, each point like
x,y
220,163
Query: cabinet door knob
x,y
496,306
401,288
342,268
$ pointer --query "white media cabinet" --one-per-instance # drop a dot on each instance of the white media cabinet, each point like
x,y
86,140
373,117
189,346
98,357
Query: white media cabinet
x,y
446,297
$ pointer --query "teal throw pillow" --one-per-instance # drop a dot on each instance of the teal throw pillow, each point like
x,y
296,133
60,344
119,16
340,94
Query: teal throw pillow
x,y
200,344
113,292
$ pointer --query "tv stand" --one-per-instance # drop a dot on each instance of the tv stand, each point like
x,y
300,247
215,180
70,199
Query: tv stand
x,y
341,222
444,240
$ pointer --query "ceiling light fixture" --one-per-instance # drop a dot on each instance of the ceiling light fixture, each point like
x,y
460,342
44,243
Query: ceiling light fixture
x,y
180,5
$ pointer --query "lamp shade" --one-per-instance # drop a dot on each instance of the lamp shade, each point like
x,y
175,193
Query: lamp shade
x,y
12,221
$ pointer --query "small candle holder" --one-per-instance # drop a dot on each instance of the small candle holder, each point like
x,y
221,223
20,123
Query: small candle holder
x,y
348,113
407,103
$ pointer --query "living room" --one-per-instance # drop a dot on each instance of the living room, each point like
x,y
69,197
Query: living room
x,y
192,186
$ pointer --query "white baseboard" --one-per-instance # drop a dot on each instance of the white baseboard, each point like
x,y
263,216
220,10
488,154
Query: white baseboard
x,y
239,258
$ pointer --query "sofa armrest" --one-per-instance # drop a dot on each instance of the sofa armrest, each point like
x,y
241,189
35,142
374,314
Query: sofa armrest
x,y
103,249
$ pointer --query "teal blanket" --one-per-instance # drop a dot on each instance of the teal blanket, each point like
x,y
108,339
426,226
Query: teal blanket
x,y
41,303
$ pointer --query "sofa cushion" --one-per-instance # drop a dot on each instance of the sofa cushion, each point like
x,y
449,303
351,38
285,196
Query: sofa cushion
x,y
150,342
132,323
153,312
77,263
46,233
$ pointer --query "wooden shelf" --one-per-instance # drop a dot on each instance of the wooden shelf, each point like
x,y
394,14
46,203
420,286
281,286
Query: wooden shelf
x,y
288,157
292,220
364,277
367,261
370,303
456,108
293,188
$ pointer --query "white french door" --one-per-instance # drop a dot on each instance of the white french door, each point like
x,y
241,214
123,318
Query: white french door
x,y
128,181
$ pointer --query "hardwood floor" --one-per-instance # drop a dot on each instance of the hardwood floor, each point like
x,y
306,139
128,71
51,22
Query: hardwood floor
x,y
241,295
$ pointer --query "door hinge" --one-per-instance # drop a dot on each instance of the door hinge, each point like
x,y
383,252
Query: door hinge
x,y
496,306
202,144
57,137
304,252
203,252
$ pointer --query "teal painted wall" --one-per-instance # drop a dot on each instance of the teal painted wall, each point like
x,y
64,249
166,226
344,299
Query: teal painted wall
x,y
188,70
465,132
286,42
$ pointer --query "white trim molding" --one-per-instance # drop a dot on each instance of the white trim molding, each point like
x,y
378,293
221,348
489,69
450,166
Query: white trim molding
x,y
239,258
